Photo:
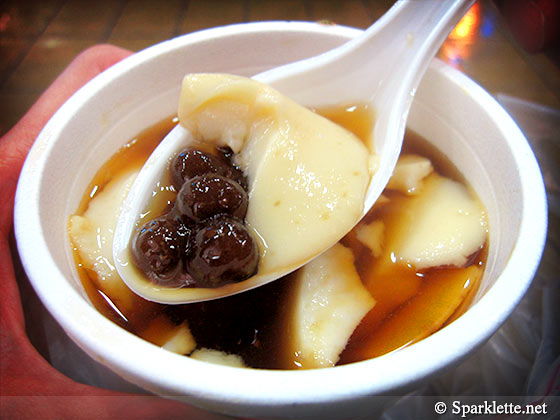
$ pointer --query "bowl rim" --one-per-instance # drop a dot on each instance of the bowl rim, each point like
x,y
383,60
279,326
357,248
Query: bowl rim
x,y
298,387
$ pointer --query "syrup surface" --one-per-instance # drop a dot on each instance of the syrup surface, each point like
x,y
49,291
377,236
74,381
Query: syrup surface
x,y
411,304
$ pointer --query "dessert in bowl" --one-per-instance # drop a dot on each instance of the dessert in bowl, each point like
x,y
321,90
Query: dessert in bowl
x,y
451,112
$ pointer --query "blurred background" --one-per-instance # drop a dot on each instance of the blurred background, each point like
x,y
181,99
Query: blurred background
x,y
509,47
39,38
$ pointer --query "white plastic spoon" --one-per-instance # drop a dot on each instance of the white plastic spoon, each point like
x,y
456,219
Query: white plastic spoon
x,y
381,68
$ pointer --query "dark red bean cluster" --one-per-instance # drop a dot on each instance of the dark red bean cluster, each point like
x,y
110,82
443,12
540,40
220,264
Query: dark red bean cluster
x,y
202,241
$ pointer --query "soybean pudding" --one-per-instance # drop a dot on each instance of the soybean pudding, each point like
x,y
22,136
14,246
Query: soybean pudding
x,y
285,182
389,283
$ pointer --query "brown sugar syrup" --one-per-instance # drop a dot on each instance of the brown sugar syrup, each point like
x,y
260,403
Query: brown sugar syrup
x,y
410,304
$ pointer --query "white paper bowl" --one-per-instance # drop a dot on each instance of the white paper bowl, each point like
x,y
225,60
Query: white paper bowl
x,y
451,111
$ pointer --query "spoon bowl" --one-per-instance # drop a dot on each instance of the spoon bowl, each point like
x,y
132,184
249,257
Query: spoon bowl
x,y
381,68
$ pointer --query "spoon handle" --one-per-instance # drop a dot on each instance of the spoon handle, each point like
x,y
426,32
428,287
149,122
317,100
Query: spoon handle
x,y
395,50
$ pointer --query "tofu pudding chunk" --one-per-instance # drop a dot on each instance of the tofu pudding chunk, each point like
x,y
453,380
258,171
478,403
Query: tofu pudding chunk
x,y
307,176
262,186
